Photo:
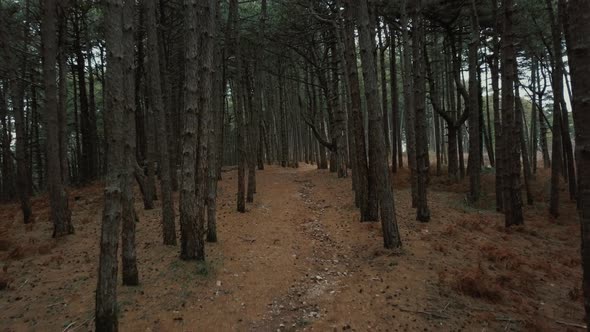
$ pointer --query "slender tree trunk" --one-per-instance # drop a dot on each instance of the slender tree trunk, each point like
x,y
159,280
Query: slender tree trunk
x,y
88,142
409,104
519,114
542,124
251,133
534,135
557,85
422,163
512,205
8,184
339,123
234,47
60,212
382,35
207,33
474,162
395,159
215,135
63,92
168,227
377,153
368,203
568,153
22,162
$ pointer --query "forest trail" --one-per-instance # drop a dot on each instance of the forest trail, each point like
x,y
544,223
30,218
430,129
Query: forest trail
x,y
300,260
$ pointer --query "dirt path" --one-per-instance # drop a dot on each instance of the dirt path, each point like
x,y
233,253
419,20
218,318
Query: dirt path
x,y
298,260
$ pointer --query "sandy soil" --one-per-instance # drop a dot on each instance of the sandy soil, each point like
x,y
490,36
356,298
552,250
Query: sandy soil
x,y
299,259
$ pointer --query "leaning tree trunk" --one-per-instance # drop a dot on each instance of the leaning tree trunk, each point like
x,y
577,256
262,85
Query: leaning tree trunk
x,y
579,51
377,153
60,212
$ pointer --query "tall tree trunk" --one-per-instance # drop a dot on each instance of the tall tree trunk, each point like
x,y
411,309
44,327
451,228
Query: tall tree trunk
x,y
207,33
377,153
409,104
474,162
154,79
568,153
519,113
512,201
106,312
422,163
63,92
215,134
368,203
382,35
395,159
22,162
88,156
92,98
199,24
557,85
498,140
232,36
339,123
534,134
542,124
8,184
578,35
251,133
128,252
60,212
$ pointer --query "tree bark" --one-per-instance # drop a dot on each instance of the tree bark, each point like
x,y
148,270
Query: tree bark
x,y
512,201
578,52
130,273
409,104
422,163
106,312
368,203
154,79
22,162
382,35
60,212
396,158
214,157
199,24
237,93
474,163
377,153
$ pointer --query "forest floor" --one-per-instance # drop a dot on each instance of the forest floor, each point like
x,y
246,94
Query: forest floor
x,y
299,259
